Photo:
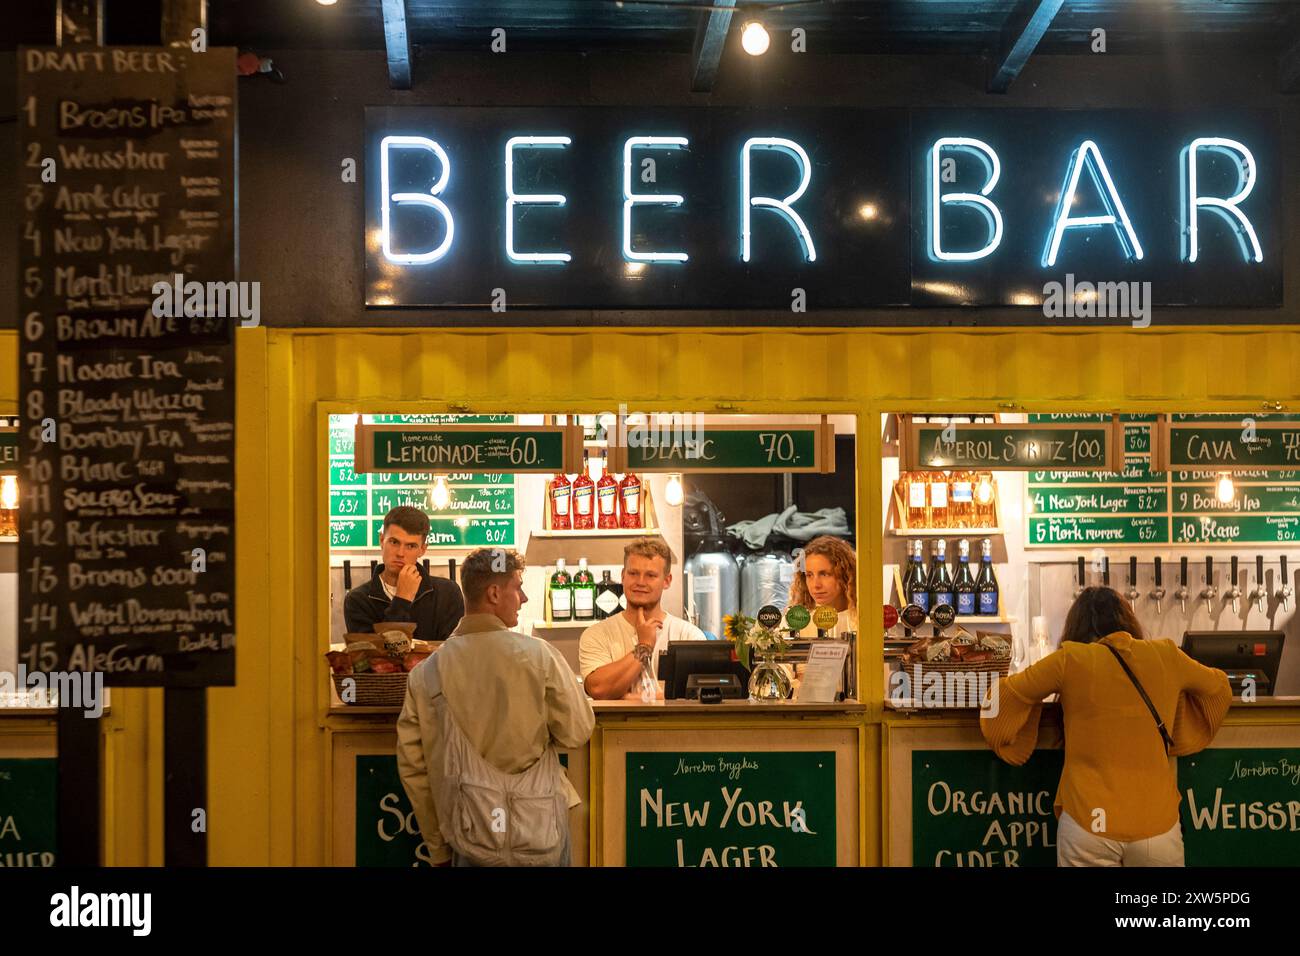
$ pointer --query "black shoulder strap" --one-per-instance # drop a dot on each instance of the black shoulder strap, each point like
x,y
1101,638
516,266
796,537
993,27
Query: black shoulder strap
x,y
1160,724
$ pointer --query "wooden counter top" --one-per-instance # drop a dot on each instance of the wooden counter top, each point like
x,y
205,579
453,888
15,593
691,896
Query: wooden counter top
x,y
909,706
660,708
669,707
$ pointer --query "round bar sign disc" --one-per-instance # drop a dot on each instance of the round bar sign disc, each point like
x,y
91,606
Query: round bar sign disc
x,y
797,617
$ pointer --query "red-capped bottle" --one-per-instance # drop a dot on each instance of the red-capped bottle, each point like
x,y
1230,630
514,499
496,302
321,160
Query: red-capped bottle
x,y
607,515
584,499
629,501
561,500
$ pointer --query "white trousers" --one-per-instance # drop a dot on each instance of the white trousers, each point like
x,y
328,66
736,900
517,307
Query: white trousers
x,y
1076,845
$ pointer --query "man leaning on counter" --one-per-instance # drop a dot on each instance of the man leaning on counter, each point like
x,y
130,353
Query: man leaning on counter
x,y
614,655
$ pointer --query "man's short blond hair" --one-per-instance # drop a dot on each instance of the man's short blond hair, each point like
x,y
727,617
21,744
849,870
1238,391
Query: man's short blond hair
x,y
649,547
484,567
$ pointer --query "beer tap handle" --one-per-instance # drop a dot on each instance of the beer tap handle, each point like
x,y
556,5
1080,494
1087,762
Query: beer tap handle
x,y
1105,570
1182,572
1083,578
1159,574
1234,592
1261,595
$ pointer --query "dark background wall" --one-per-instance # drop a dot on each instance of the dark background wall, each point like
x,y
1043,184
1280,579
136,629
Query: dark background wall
x,y
301,227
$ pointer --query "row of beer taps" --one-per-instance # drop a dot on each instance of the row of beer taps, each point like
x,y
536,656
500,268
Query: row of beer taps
x,y
1259,594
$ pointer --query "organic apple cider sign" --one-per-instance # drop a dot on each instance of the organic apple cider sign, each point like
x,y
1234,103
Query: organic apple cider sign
x,y
1082,216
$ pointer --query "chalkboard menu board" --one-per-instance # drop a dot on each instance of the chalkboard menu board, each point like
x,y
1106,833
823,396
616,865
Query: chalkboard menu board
x,y
1241,806
481,509
969,809
727,449
1009,446
127,302
8,450
1068,508
28,797
759,808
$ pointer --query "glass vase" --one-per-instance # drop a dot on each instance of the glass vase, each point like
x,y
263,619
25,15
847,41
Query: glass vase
x,y
769,682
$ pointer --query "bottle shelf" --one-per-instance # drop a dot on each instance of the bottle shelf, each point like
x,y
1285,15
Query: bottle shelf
x,y
564,625
946,532
984,619
597,533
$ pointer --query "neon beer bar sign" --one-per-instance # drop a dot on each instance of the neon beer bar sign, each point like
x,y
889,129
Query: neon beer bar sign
x,y
844,209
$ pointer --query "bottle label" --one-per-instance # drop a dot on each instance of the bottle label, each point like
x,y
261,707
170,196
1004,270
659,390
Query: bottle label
x,y
584,602
966,602
704,585
916,494
988,602
607,500
560,599
582,499
607,601
560,495
962,492
939,494
631,500
920,598
942,597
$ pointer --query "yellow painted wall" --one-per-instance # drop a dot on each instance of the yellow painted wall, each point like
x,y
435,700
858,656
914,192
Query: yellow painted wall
x,y
269,763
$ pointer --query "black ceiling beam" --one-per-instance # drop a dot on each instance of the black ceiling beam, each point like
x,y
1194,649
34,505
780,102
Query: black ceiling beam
x,y
710,41
1288,68
397,41
1020,37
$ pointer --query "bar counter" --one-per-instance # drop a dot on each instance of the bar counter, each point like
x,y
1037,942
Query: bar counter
x,y
948,800
668,783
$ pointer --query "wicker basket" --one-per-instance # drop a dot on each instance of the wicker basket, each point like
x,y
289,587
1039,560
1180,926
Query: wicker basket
x,y
1002,667
372,690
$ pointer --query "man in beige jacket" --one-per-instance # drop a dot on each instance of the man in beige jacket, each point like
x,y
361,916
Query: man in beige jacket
x,y
511,695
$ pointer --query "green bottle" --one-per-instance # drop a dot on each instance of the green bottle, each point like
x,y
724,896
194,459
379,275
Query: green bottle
x,y
561,593
584,593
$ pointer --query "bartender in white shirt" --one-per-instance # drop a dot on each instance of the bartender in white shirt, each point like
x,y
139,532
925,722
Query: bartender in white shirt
x,y
615,654
828,576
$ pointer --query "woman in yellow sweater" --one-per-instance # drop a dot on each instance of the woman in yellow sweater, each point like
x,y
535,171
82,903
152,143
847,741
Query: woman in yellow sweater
x,y
1117,803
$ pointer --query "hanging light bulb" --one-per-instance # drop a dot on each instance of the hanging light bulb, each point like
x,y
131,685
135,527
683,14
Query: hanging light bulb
x,y
754,38
8,492
984,491
441,494
673,492
1226,490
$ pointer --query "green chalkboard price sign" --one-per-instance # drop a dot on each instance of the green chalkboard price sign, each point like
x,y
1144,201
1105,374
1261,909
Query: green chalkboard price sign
x,y
1241,807
711,809
28,800
460,532
1175,505
970,809
729,448
480,510
8,449
1234,447
515,449
387,833
1011,447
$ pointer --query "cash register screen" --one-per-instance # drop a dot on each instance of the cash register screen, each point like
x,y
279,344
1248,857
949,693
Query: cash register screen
x,y
684,658
1242,654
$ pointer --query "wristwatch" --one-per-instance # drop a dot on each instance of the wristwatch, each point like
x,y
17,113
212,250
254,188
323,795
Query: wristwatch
x,y
642,651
